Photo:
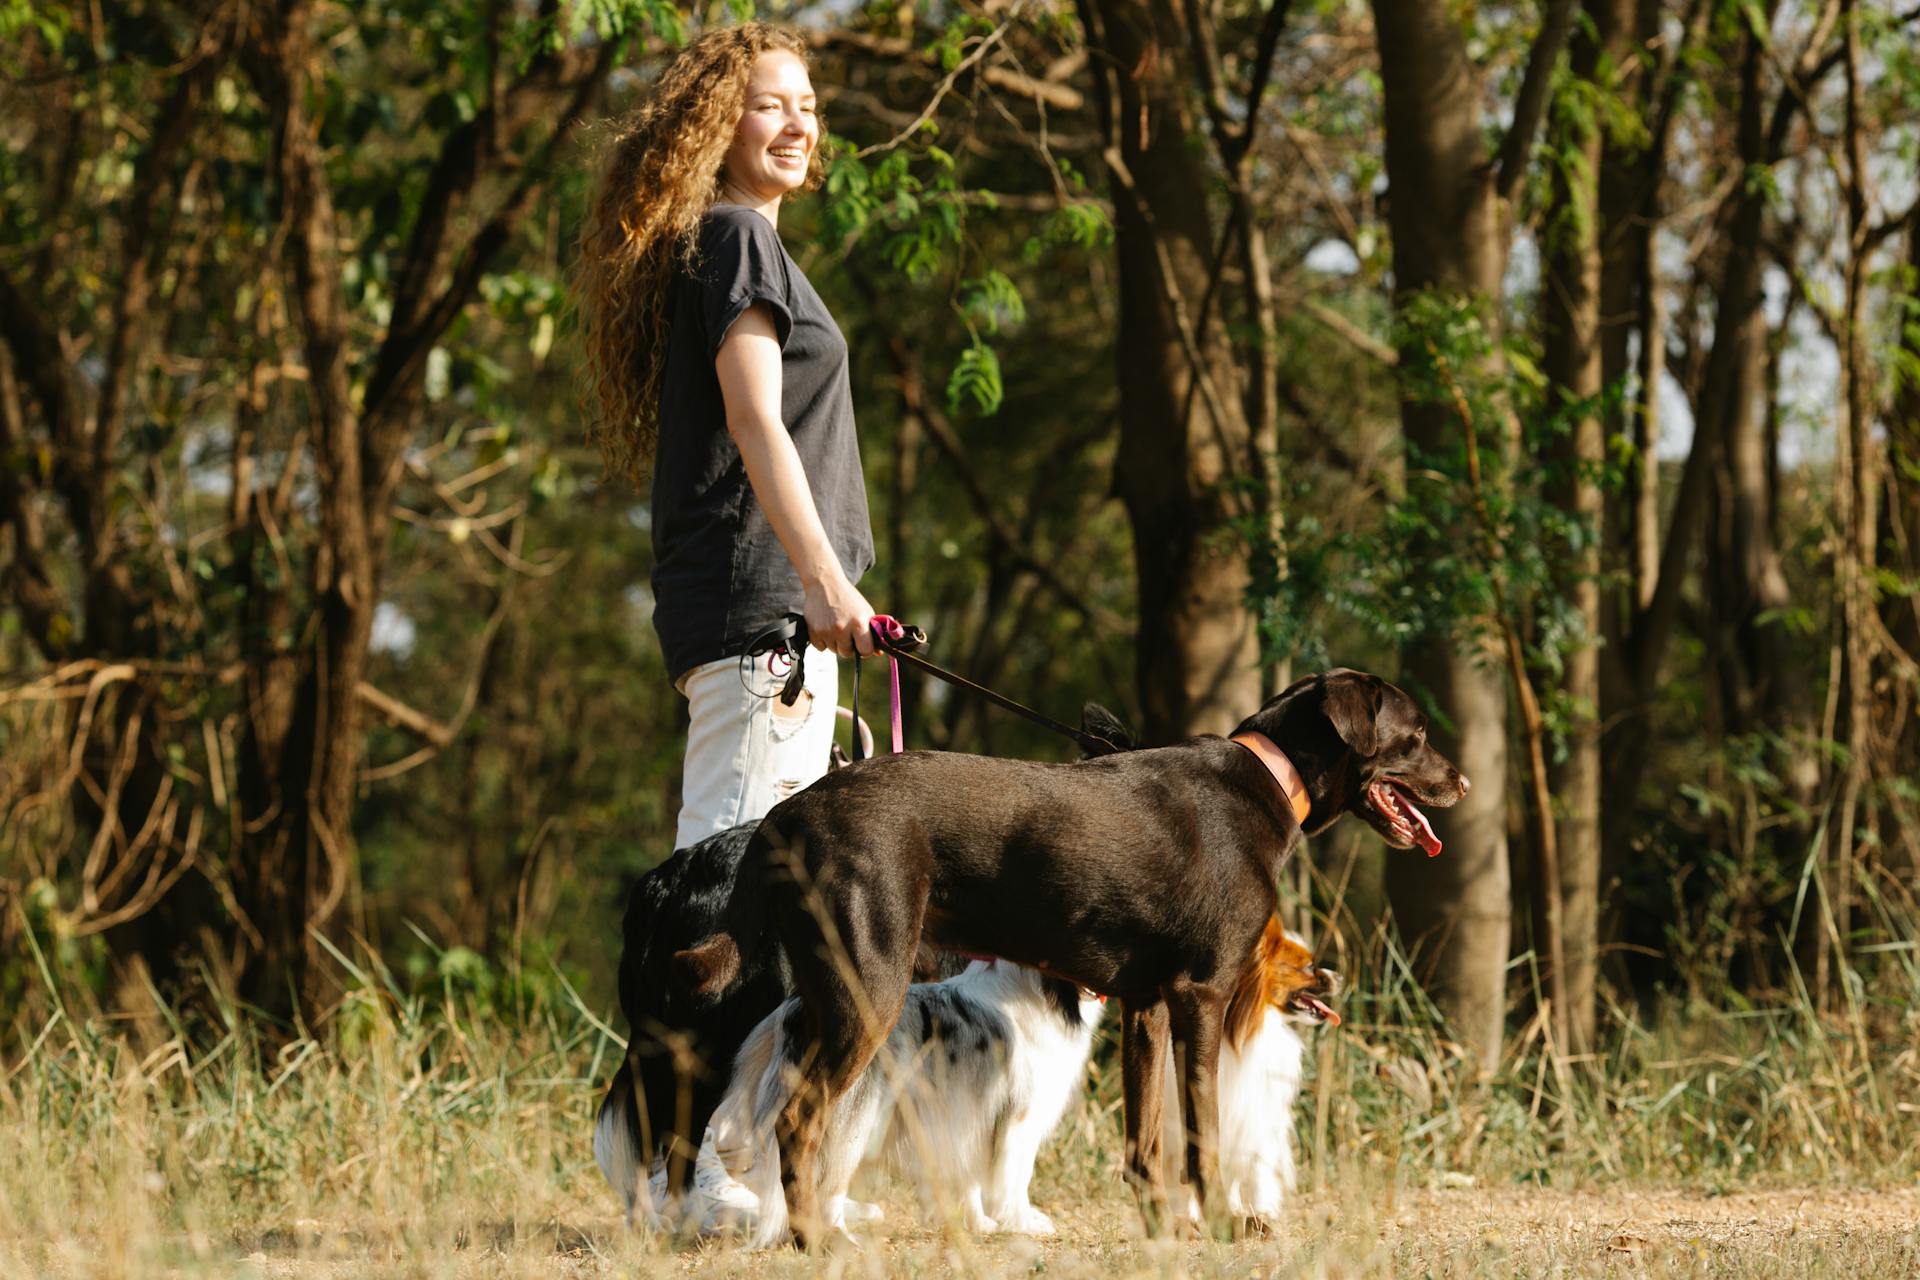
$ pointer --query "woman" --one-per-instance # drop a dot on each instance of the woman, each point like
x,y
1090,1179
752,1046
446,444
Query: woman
x,y
715,364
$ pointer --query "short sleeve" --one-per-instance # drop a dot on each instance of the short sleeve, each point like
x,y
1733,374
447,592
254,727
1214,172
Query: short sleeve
x,y
741,263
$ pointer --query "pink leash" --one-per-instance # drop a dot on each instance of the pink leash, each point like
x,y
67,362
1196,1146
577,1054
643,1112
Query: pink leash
x,y
887,630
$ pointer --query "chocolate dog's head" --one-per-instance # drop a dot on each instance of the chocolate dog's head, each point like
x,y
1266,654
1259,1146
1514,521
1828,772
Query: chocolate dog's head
x,y
1360,745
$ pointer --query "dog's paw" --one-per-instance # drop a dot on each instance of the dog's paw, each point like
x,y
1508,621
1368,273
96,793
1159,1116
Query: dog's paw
x,y
1026,1221
1185,1228
841,1243
858,1213
1253,1227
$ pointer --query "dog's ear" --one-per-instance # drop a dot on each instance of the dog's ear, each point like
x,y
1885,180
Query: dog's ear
x,y
1096,719
1352,703
708,967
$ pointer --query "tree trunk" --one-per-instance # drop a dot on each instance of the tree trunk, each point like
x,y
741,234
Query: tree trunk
x,y
1450,233
294,869
1570,318
1184,433
1854,493
1730,391
1899,532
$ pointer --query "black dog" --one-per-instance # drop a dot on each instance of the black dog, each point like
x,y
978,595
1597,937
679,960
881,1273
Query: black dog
x,y
1148,875
680,1051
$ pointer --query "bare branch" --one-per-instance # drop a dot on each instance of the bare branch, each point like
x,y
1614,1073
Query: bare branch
x,y
401,716
141,250
1270,29
1006,541
1206,60
402,357
1359,338
940,91
1049,89
1516,149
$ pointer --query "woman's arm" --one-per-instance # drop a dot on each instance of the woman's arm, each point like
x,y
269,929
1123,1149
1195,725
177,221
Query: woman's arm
x,y
749,367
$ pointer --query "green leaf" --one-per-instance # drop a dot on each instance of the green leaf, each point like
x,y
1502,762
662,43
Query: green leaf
x,y
976,377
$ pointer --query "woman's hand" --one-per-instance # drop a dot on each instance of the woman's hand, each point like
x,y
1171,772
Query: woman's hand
x,y
838,616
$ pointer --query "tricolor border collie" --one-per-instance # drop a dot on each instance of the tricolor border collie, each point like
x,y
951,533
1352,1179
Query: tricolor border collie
x,y
967,1086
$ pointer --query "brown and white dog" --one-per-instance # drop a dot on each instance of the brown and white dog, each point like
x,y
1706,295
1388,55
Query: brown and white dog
x,y
1148,875
1261,1064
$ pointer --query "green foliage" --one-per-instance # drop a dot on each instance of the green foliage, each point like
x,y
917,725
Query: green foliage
x,y
977,378
1448,558
18,17
991,300
662,19
950,47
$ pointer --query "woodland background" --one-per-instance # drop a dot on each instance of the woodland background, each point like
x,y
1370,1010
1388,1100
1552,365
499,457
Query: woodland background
x,y
1559,361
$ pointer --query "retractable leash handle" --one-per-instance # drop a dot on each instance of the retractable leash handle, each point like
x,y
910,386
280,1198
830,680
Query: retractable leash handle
x,y
787,639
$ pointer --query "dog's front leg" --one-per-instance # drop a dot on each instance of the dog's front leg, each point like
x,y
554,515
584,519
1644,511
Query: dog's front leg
x,y
1196,1014
1143,1053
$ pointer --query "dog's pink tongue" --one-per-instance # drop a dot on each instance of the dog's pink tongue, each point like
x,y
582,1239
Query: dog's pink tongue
x,y
1320,1007
1422,829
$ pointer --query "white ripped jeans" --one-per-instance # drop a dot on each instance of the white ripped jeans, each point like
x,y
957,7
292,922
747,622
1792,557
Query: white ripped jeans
x,y
746,750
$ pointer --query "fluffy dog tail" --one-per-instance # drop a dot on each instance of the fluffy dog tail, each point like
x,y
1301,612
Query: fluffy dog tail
x,y
709,968
616,1141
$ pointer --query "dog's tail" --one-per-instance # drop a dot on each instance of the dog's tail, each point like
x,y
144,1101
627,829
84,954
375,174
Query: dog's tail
x,y
616,1140
709,968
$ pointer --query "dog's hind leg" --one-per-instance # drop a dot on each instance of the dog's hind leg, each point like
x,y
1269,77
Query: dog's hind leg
x,y
851,953
842,1047
1143,1054
1196,1013
856,1113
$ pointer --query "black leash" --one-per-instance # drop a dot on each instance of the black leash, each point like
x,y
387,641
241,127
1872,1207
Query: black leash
x,y
1091,743
790,635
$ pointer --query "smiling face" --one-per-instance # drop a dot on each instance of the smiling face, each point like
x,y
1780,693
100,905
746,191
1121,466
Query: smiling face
x,y
774,142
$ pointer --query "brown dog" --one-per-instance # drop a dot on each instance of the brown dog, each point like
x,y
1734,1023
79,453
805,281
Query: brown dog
x,y
1148,875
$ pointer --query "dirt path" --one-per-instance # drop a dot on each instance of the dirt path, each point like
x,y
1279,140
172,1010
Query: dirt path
x,y
1854,1233
1785,1232
1861,1234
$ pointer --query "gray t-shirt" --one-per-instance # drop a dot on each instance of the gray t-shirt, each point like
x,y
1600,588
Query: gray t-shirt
x,y
720,575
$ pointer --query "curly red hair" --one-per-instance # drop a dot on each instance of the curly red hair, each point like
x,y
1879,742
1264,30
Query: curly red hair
x,y
662,171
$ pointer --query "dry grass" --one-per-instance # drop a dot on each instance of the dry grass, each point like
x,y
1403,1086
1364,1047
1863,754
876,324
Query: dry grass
x,y
436,1134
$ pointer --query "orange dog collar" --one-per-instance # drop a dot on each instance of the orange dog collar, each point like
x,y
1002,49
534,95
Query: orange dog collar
x,y
1292,785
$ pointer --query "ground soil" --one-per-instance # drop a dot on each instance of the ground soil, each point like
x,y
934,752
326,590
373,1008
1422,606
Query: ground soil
x,y
1855,1233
